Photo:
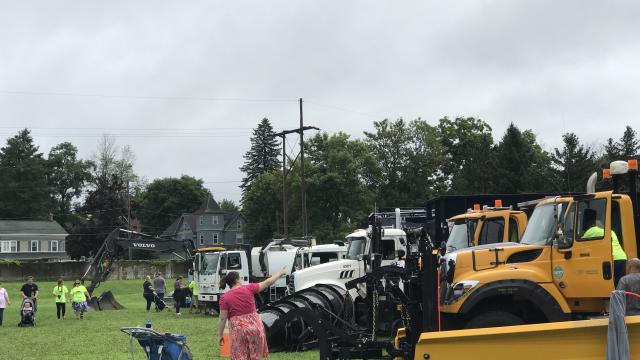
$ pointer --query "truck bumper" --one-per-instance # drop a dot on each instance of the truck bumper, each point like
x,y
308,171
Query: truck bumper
x,y
208,297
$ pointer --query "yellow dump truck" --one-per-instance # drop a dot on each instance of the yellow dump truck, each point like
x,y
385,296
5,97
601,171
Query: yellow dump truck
x,y
561,270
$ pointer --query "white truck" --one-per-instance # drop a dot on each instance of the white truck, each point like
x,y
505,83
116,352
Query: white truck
x,y
353,266
258,263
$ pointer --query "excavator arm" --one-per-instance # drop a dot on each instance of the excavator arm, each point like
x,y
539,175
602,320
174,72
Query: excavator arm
x,y
119,240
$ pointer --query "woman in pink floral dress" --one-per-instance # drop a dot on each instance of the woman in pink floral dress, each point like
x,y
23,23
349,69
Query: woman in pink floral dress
x,y
238,306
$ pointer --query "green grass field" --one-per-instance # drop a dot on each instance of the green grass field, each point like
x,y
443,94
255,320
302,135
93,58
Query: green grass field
x,y
98,336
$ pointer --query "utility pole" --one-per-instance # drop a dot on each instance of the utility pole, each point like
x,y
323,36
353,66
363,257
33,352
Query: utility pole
x,y
129,218
284,186
303,197
303,200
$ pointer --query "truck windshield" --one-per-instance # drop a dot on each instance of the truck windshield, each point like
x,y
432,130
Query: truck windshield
x,y
209,262
356,248
540,229
462,234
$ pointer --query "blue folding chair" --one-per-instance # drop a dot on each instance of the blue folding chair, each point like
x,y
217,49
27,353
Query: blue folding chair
x,y
159,346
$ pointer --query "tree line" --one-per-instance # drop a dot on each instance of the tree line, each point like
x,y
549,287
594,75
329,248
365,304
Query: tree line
x,y
397,163
91,197
404,163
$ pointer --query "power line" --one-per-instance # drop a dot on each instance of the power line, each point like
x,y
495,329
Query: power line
x,y
126,129
340,108
141,97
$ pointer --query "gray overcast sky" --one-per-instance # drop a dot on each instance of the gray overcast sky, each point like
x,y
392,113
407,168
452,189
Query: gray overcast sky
x,y
545,65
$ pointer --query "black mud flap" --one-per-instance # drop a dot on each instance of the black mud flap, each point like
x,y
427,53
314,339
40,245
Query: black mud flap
x,y
106,301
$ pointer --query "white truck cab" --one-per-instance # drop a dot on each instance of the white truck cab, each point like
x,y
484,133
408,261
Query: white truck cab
x,y
352,266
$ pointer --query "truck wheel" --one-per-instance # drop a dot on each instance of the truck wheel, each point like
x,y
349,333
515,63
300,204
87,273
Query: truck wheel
x,y
494,319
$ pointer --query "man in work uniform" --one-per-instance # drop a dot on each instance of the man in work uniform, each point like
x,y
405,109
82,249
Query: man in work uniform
x,y
631,283
594,231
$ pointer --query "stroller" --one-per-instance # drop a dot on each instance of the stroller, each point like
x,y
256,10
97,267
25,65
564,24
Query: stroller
x,y
159,346
27,313
160,304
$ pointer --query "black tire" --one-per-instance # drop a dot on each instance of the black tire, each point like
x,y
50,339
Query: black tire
x,y
494,318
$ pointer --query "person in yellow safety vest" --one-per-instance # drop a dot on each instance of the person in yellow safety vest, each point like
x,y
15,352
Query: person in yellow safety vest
x,y
596,232
193,289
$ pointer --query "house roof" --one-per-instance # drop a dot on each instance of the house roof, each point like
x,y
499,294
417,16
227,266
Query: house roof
x,y
230,218
31,227
209,205
178,224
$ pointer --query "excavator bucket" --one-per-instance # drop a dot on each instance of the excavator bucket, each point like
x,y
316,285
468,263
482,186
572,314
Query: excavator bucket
x,y
106,301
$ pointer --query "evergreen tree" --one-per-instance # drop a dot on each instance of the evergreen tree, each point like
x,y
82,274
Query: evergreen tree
x,y
520,164
628,147
611,150
263,155
573,163
23,182
629,144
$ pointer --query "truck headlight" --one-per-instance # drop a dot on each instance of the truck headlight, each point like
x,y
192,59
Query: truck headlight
x,y
462,288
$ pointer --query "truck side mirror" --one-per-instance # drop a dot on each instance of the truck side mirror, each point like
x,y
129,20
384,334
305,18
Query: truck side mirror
x,y
558,239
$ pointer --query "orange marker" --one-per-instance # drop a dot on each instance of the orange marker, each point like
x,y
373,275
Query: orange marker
x,y
225,349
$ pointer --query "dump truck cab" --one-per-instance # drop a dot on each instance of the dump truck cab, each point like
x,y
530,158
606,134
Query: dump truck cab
x,y
562,268
485,226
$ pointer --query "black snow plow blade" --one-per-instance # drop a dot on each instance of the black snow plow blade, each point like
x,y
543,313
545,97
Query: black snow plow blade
x,y
285,321
106,301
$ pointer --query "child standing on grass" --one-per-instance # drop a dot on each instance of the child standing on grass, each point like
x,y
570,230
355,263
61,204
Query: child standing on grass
x,y
60,292
79,296
4,301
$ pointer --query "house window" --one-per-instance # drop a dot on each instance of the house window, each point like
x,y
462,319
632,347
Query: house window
x,y
201,220
184,226
35,244
53,246
215,238
8,246
201,239
239,225
215,219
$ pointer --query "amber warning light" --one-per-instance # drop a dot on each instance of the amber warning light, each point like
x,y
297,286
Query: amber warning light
x,y
633,164
476,207
606,174
498,203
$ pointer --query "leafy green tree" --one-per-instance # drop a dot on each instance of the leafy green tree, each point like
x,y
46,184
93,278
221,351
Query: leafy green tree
x,y
163,200
66,176
573,163
468,149
390,144
262,207
263,154
340,173
229,205
105,206
24,192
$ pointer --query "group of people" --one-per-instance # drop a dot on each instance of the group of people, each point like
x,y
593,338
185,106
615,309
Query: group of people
x,y
183,294
78,295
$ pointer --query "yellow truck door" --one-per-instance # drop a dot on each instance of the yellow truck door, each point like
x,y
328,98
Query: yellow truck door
x,y
582,264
